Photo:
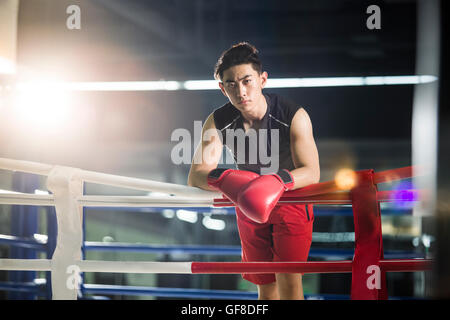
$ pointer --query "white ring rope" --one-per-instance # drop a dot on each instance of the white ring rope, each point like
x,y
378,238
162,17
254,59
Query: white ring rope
x,y
66,186
27,199
26,264
112,180
99,266
142,201
25,166
135,267
106,201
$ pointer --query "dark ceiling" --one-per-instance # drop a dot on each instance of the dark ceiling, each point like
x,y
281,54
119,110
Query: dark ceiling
x,y
176,39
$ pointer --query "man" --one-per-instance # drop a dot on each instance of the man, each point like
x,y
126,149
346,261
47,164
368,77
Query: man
x,y
268,232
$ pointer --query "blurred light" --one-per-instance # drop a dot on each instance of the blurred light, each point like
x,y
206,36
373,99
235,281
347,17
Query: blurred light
x,y
213,84
221,210
41,103
108,239
426,240
168,213
315,298
399,80
201,85
347,81
345,179
40,281
333,236
37,191
314,82
388,228
42,238
7,66
186,215
122,86
403,198
155,194
213,224
393,80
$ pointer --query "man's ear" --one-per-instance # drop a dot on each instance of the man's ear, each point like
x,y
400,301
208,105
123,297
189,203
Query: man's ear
x,y
222,88
263,78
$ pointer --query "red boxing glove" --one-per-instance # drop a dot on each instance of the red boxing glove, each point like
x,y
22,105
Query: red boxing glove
x,y
230,181
258,198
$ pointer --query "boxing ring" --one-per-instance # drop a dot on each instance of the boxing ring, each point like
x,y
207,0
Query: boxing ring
x,y
368,266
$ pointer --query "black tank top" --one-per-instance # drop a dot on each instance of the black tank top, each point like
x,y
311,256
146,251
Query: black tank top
x,y
246,147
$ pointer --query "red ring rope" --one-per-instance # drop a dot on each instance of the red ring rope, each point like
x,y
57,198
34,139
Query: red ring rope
x,y
364,198
392,265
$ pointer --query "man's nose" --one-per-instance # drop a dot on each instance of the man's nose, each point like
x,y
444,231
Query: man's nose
x,y
242,90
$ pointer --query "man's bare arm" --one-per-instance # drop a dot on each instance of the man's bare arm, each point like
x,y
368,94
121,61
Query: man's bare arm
x,y
304,151
206,156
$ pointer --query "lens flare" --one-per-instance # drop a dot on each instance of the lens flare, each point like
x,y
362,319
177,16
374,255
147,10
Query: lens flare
x,y
39,104
345,179
403,196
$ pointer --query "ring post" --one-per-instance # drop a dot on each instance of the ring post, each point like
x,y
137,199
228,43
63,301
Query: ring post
x,y
368,280
66,186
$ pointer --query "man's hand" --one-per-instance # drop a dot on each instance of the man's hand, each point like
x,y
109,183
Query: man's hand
x,y
258,198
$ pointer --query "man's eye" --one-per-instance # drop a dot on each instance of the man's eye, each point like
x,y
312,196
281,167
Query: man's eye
x,y
247,81
231,85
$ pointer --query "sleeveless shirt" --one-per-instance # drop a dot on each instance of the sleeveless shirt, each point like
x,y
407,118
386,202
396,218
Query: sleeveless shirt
x,y
253,149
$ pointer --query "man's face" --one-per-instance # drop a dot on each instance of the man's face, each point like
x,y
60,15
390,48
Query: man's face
x,y
242,85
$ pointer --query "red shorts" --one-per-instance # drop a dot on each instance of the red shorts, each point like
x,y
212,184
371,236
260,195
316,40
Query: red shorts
x,y
286,236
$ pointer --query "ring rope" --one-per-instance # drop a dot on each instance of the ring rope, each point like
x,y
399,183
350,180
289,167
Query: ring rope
x,y
345,266
66,185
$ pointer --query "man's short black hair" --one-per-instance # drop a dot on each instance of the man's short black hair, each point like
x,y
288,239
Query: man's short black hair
x,y
241,53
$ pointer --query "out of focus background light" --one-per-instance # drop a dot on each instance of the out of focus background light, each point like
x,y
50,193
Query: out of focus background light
x,y
168,213
403,198
213,84
187,215
345,178
42,104
213,224
42,192
7,66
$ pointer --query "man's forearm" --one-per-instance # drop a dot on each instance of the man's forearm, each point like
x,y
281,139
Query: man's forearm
x,y
305,176
199,179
